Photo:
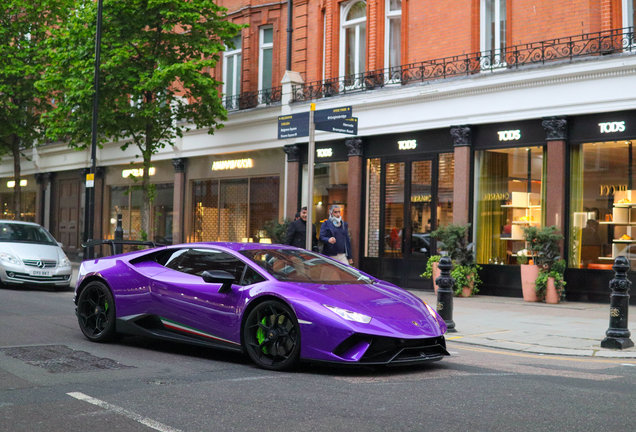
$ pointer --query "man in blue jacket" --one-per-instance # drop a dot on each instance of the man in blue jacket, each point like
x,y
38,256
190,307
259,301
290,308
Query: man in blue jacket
x,y
334,233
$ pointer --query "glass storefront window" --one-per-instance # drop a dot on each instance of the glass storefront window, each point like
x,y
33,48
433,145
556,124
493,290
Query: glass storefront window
x,y
331,182
234,209
127,200
602,204
27,212
509,190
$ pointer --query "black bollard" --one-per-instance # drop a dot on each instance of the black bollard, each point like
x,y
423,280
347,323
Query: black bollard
x,y
445,293
119,235
617,335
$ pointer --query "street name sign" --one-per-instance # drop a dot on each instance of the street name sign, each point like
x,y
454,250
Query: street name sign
x,y
293,126
332,114
347,126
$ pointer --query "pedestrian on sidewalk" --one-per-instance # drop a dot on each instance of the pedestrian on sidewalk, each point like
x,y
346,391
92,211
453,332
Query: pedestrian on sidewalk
x,y
334,233
297,231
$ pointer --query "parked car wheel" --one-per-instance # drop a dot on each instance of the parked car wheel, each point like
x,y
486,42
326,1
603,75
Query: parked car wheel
x,y
96,312
272,336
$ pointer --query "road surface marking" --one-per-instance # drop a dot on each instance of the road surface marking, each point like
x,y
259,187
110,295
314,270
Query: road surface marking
x,y
552,357
119,410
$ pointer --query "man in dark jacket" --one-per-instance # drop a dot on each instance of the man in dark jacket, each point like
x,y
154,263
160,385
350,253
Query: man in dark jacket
x,y
297,231
334,233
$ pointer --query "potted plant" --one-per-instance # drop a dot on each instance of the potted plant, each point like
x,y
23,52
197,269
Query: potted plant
x,y
550,284
277,231
543,245
432,270
465,269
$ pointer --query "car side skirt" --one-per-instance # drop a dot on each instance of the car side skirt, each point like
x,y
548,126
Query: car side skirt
x,y
153,326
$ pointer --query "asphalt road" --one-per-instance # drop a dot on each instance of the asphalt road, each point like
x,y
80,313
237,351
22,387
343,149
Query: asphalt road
x,y
53,379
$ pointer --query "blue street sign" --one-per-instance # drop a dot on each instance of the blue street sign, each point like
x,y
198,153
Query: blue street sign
x,y
347,126
293,126
325,115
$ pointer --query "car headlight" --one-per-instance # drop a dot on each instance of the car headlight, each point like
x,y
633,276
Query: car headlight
x,y
65,262
348,315
6,257
431,311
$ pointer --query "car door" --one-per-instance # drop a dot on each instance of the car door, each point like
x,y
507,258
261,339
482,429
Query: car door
x,y
188,304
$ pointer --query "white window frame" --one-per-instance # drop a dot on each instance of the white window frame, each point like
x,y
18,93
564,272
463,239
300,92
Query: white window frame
x,y
233,56
627,13
496,62
344,11
262,46
387,30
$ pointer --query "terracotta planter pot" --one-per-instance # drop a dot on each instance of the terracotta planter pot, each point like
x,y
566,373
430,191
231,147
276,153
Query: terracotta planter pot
x,y
466,292
436,273
529,274
551,295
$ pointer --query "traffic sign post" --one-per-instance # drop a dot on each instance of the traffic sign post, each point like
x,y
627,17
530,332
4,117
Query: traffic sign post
x,y
337,120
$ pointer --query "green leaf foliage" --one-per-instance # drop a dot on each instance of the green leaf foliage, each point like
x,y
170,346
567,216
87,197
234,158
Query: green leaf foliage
x,y
428,273
544,244
454,239
24,34
277,231
155,82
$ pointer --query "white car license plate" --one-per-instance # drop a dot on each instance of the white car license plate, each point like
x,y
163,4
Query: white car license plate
x,y
41,273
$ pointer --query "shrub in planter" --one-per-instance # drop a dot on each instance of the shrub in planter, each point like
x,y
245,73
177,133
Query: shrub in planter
x,y
432,272
555,272
277,231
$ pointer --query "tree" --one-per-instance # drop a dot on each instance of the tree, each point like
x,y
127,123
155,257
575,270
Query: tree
x,y
23,34
155,81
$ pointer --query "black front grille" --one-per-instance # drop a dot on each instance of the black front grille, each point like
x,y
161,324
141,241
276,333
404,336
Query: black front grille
x,y
25,277
384,350
40,263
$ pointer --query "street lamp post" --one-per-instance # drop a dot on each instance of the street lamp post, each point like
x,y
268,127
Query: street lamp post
x,y
90,180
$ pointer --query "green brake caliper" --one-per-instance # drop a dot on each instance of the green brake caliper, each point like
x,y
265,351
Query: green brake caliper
x,y
260,335
105,306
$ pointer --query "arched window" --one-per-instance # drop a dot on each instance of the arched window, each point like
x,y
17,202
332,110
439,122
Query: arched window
x,y
353,38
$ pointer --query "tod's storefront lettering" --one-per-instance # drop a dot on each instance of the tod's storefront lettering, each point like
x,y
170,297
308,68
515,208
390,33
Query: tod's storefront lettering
x,y
608,190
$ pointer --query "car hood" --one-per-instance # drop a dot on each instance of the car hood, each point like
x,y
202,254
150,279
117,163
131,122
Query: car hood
x,y
31,251
377,300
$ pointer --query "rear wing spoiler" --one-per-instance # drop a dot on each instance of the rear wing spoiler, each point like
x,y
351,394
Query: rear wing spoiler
x,y
113,243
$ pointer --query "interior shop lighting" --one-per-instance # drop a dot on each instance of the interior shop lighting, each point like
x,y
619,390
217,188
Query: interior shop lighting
x,y
11,183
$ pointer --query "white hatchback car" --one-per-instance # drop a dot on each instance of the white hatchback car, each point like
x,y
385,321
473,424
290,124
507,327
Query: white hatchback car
x,y
29,255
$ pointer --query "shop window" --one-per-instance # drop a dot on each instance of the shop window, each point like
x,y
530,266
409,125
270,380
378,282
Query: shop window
x,y
265,58
629,20
27,207
127,201
445,185
353,41
493,33
372,216
232,68
393,37
234,209
331,183
509,191
603,204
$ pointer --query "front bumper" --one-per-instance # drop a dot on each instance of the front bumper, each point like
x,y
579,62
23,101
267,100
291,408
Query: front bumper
x,y
21,275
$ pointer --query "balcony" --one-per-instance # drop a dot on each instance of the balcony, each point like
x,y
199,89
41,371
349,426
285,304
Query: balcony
x,y
247,100
617,41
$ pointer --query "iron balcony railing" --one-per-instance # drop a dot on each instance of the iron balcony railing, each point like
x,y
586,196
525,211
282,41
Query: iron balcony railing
x,y
253,99
567,48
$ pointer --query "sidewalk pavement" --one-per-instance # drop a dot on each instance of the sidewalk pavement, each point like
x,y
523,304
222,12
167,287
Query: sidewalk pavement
x,y
567,328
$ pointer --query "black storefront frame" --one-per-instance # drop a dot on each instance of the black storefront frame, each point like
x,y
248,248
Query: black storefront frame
x,y
592,284
430,144
502,280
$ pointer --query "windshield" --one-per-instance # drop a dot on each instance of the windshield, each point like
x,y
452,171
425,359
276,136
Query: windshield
x,y
303,266
13,232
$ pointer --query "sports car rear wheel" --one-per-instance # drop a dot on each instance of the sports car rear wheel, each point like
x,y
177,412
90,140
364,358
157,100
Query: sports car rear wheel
x,y
96,312
272,336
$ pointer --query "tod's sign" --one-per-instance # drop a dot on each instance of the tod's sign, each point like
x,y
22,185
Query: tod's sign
x,y
610,127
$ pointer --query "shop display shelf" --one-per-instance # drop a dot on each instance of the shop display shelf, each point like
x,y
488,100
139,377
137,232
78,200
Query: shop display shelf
x,y
525,222
618,223
624,241
512,239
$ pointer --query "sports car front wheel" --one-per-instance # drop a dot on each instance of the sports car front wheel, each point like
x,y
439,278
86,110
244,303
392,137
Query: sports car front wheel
x,y
272,336
96,312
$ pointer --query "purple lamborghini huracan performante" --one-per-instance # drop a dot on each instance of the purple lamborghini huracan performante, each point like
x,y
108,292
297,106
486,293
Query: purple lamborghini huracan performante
x,y
279,304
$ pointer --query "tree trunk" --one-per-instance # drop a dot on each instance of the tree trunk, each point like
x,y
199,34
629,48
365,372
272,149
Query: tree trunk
x,y
17,190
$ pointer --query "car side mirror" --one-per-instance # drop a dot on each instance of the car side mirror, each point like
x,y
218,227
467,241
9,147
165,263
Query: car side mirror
x,y
219,276
60,244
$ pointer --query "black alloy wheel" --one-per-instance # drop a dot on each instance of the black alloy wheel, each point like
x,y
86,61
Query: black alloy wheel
x,y
96,312
272,336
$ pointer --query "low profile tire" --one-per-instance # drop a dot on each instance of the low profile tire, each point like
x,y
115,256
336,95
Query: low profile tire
x,y
272,336
96,312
